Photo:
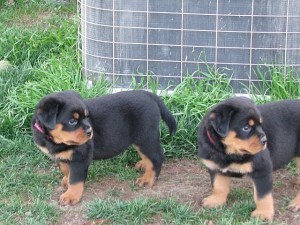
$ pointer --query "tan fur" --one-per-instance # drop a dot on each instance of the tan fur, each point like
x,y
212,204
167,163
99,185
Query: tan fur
x,y
298,169
212,116
235,145
221,188
45,150
65,155
264,207
210,164
76,116
77,137
251,123
297,160
295,203
141,165
86,113
239,168
233,167
72,195
149,176
64,168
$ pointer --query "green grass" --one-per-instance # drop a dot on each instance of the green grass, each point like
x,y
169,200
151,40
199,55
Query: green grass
x,y
39,39
143,211
169,211
277,83
26,184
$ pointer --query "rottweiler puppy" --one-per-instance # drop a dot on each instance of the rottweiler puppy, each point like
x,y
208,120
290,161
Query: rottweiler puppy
x,y
74,131
238,138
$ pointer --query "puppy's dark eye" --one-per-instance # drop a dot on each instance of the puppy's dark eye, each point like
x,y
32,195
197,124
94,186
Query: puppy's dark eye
x,y
247,128
73,122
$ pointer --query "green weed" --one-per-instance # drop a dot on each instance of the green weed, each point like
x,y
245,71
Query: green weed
x,y
276,83
143,211
26,184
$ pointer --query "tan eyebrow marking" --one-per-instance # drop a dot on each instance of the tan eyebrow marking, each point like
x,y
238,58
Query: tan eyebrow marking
x,y
76,115
251,123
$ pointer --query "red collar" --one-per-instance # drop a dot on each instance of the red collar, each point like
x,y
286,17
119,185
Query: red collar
x,y
38,127
210,137
41,130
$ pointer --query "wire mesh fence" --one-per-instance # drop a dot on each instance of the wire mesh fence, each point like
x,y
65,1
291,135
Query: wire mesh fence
x,y
170,39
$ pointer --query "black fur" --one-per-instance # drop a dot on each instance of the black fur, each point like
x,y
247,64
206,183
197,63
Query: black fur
x,y
114,122
280,126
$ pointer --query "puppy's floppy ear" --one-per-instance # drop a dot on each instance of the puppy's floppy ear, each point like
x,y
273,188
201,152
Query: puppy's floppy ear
x,y
47,111
220,118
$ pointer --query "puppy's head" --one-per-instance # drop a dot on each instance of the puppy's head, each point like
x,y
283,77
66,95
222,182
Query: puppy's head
x,y
238,123
64,116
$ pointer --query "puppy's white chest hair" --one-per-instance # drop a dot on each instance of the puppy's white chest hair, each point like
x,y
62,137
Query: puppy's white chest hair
x,y
244,168
65,155
46,151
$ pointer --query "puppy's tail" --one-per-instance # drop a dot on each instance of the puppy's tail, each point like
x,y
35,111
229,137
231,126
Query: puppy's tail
x,y
165,113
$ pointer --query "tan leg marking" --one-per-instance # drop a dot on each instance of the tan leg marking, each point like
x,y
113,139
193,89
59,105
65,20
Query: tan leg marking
x,y
221,188
264,207
64,168
73,195
148,179
298,169
295,203
140,165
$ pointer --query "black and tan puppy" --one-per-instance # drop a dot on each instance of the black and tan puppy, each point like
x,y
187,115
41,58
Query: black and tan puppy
x,y
237,138
74,131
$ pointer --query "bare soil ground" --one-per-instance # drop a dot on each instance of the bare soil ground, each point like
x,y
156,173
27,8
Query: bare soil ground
x,y
187,181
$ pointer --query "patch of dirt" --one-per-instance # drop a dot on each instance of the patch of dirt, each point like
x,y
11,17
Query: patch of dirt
x,y
187,181
30,21
40,18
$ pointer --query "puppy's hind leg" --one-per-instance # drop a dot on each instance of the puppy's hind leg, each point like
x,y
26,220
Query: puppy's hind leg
x,y
295,203
152,159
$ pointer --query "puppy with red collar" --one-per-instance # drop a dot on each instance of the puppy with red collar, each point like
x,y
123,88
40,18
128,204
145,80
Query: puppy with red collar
x,y
74,131
237,138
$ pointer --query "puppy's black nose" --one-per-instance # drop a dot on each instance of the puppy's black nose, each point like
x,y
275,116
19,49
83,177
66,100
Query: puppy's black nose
x,y
89,132
263,139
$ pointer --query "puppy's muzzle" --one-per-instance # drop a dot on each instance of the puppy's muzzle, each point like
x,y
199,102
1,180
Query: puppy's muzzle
x,y
262,136
263,139
89,132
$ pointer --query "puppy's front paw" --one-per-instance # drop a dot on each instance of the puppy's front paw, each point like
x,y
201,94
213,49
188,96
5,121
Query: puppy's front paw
x,y
68,198
213,201
73,195
140,165
64,182
263,214
295,203
145,181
